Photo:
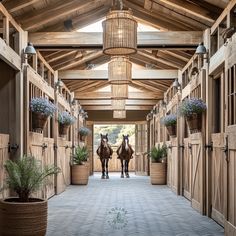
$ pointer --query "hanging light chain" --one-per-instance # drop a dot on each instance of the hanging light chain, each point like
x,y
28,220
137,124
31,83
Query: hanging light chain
x,y
121,4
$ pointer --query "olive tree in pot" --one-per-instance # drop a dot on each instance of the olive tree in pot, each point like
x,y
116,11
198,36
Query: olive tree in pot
x,y
158,168
24,215
79,169
65,120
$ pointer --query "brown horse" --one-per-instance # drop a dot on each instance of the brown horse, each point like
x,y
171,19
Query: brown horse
x,y
104,151
125,153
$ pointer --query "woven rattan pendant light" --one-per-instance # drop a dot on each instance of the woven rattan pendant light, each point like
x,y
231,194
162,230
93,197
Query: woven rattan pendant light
x,y
119,70
119,91
119,32
119,114
118,104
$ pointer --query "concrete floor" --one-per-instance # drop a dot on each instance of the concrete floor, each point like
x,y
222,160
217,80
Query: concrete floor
x,y
126,207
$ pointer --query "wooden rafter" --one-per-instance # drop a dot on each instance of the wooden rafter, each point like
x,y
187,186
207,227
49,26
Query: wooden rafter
x,y
13,6
58,55
52,12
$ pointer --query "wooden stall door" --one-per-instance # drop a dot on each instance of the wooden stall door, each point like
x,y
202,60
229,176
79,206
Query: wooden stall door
x,y
197,172
172,165
4,155
63,162
218,177
48,160
230,223
42,149
186,170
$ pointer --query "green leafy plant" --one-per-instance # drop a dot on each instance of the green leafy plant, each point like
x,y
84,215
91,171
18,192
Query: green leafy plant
x,y
84,131
27,175
158,153
81,155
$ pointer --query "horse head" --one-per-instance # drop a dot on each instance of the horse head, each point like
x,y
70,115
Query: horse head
x,y
104,140
125,142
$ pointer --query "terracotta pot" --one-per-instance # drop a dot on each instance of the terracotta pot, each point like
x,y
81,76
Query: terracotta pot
x,y
63,129
171,130
82,138
39,121
79,174
23,218
194,123
158,172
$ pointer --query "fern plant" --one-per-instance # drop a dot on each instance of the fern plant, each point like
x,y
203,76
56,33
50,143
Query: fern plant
x,y
80,156
27,175
158,153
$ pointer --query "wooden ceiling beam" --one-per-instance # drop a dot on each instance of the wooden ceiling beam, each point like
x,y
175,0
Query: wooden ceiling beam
x,y
178,54
103,74
59,55
80,61
107,95
109,108
192,9
158,60
142,86
13,6
52,12
80,40
91,102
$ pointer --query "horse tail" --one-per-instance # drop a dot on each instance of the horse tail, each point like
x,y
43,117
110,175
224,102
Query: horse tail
x,y
98,151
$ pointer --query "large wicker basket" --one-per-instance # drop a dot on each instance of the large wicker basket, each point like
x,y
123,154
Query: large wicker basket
x,y
194,123
63,129
39,121
23,218
79,174
171,130
158,172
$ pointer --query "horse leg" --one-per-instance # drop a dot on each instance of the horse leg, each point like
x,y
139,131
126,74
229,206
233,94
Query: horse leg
x,y
122,168
127,168
103,168
107,176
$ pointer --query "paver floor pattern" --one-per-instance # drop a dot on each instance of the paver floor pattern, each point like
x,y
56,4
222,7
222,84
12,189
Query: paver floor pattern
x,y
125,207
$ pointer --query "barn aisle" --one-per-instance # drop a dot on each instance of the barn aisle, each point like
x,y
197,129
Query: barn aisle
x,y
125,207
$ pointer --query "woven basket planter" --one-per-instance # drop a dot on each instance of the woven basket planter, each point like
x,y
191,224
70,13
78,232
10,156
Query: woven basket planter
x,y
23,219
171,130
63,129
158,172
194,123
79,174
39,121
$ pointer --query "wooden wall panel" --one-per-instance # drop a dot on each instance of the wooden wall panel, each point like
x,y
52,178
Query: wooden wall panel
x,y
63,162
187,161
197,172
4,156
218,172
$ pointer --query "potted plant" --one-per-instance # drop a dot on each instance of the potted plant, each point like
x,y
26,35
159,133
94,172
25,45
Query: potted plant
x,y
192,110
65,120
158,166
170,123
41,109
79,169
24,215
83,133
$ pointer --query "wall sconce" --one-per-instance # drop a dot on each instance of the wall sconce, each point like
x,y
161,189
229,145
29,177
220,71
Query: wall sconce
x,y
177,85
73,102
59,84
202,51
163,104
29,51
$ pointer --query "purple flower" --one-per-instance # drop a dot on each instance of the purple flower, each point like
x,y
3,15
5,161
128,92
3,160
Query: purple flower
x,y
170,120
65,118
192,106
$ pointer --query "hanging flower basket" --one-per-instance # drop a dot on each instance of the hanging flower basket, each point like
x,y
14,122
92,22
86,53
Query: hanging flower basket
x,y
82,138
170,122
39,121
194,123
192,110
171,130
63,129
